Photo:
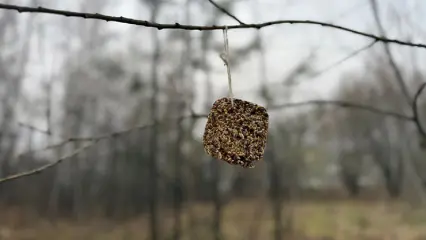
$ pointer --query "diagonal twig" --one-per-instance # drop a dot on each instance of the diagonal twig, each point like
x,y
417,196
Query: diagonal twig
x,y
92,141
222,9
399,77
415,107
140,127
48,147
45,167
95,139
160,26
391,59
33,128
351,55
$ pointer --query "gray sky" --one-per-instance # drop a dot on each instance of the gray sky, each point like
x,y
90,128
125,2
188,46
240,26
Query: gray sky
x,y
286,44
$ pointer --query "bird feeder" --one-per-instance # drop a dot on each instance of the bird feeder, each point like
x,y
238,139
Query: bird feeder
x,y
236,132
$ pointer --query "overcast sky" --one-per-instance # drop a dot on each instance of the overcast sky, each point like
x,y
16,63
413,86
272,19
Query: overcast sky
x,y
285,45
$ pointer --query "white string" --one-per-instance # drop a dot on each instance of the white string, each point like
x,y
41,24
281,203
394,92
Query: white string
x,y
225,58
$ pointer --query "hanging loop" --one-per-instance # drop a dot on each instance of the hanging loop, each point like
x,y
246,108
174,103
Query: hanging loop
x,y
225,58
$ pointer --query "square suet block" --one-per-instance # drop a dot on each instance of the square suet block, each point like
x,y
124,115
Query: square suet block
x,y
236,134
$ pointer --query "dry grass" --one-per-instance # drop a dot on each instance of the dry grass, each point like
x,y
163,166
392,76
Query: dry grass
x,y
242,220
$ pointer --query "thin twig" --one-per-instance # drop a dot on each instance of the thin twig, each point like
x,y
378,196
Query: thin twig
x,y
222,9
351,55
45,167
344,104
33,128
140,127
96,139
193,115
160,26
391,59
48,147
415,108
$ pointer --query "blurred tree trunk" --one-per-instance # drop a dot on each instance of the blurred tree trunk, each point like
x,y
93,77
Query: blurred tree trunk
x,y
81,104
179,185
75,170
53,205
272,165
206,37
273,172
389,160
112,208
152,158
217,199
276,196
13,66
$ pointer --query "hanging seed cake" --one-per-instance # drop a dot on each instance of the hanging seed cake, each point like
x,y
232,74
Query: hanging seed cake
x,y
236,134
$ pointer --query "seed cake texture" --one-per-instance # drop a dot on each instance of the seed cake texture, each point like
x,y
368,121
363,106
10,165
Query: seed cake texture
x,y
236,134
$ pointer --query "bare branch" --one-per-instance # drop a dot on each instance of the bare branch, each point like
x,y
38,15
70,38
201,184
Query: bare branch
x,y
345,105
119,133
351,55
275,107
33,128
193,115
222,9
391,59
160,26
51,146
415,107
96,139
45,167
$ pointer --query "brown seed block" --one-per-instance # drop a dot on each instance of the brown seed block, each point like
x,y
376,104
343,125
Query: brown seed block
x,y
236,134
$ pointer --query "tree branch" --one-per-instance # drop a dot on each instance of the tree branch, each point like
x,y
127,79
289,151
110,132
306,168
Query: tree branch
x,y
222,9
415,107
160,26
45,167
95,139
144,126
344,104
391,59
104,136
33,128
351,55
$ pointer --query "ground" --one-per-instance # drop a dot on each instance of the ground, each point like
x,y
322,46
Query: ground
x,y
310,220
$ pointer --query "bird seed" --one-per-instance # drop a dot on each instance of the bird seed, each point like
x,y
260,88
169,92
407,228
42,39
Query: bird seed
x,y
236,134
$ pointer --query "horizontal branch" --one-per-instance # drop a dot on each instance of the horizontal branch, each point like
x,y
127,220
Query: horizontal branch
x,y
105,136
95,139
159,26
345,104
140,127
